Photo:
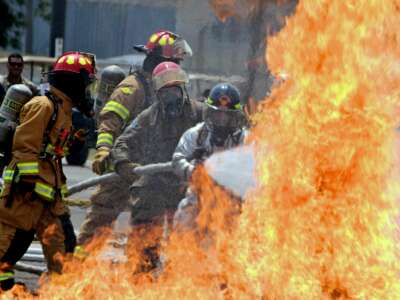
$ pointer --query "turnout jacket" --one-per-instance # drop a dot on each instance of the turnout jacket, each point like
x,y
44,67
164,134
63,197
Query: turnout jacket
x,y
36,158
195,146
130,97
151,138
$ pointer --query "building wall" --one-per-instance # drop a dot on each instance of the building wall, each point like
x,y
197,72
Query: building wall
x,y
41,34
234,47
111,28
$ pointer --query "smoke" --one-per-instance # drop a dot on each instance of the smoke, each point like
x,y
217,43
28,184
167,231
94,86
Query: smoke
x,y
266,16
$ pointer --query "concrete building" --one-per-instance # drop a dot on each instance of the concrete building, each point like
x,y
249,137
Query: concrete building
x,y
233,47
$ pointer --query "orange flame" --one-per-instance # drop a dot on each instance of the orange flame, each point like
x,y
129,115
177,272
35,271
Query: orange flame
x,y
322,223
225,9
328,197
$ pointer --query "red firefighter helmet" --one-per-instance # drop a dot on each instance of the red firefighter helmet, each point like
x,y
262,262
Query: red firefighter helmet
x,y
75,62
73,74
168,73
166,44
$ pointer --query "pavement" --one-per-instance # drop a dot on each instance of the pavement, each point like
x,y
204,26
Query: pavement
x,y
218,167
76,174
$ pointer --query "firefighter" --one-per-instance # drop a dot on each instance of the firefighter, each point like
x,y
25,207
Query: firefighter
x,y
152,138
110,77
15,66
34,182
223,128
131,96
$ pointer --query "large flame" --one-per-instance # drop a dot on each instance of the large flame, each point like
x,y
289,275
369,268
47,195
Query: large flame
x,y
322,223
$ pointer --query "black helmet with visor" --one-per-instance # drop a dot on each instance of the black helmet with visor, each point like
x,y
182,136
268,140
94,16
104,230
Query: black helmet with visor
x,y
224,114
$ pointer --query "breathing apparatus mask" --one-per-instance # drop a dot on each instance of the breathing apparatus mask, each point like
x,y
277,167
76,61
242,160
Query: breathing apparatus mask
x,y
222,123
171,101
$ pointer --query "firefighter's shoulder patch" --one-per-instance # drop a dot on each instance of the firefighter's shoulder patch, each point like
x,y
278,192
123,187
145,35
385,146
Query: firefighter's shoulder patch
x,y
127,90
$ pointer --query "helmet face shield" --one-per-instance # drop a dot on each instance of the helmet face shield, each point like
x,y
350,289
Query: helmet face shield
x,y
91,88
171,99
224,118
91,57
182,49
110,77
174,77
104,90
170,92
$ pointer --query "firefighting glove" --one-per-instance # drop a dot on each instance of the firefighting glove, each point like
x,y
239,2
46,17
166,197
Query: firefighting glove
x,y
80,134
189,171
101,161
125,170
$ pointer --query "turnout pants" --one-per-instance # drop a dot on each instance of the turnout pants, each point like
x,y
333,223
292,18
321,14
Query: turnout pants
x,y
152,212
15,242
107,203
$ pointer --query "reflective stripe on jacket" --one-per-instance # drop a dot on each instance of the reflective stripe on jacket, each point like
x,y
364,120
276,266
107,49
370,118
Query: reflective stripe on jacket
x,y
29,164
129,98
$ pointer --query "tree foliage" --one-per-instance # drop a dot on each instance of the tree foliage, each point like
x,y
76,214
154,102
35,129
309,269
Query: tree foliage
x,y
11,22
43,10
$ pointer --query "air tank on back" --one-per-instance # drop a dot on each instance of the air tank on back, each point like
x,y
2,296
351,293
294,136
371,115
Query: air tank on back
x,y
16,96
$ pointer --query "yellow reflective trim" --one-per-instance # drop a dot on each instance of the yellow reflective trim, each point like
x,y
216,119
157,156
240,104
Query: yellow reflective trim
x,y
171,41
82,61
8,175
28,168
163,40
61,60
70,60
153,38
45,191
127,90
106,135
118,108
238,106
6,276
105,138
101,142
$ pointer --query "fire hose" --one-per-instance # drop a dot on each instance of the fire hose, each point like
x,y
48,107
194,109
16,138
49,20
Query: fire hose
x,y
150,169
29,268
36,255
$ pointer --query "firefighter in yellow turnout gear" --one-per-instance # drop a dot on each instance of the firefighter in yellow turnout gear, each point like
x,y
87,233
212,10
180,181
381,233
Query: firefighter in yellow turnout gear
x,y
34,182
134,94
